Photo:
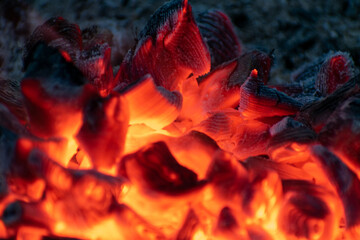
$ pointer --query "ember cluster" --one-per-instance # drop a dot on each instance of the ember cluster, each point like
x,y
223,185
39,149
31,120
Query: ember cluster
x,y
187,140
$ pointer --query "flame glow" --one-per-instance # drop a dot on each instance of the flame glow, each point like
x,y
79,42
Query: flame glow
x,y
173,151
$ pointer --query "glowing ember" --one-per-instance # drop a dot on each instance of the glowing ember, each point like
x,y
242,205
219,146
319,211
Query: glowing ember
x,y
187,141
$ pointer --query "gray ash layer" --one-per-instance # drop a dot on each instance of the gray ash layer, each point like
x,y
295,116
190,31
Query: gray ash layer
x,y
299,31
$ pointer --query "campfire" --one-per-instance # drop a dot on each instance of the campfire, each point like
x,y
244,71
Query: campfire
x,y
187,140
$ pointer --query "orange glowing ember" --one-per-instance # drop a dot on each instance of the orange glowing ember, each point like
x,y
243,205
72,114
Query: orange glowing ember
x,y
186,142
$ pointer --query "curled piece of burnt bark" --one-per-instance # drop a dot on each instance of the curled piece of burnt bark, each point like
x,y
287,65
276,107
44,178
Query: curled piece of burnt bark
x,y
344,180
341,133
54,94
153,168
102,134
152,105
220,88
170,48
258,100
218,33
316,114
58,33
337,69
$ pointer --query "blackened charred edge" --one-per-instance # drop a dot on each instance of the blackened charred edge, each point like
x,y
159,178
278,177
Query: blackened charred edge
x,y
248,61
299,135
174,97
160,16
308,71
314,113
89,32
262,91
94,52
216,29
47,62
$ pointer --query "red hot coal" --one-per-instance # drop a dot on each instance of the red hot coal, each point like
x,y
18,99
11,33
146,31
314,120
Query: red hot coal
x,y
187,140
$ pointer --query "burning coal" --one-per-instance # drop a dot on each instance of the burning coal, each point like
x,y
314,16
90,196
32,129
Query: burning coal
x,y
187,141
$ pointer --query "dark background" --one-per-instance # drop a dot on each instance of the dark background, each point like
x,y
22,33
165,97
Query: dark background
x,y
299,31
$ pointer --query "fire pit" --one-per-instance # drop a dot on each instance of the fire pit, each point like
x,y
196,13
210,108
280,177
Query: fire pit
x,y
187,140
